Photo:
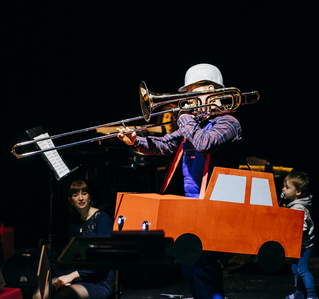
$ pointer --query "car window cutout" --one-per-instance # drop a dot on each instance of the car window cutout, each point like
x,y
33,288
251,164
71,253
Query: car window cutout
x,y
260,192
230,188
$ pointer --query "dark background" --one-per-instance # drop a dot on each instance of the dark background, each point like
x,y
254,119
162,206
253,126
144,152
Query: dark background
x,y
72,65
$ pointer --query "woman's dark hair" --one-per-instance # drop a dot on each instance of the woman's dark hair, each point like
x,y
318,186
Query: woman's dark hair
x,y
75,188
78,186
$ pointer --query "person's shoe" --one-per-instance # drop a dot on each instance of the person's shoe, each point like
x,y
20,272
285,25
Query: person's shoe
x,y
293,296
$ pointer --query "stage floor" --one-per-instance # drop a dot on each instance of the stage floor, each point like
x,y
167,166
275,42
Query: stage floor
x,y
243,279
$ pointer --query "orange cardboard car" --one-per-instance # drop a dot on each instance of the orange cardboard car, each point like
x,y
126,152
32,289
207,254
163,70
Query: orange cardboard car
x,y
238,214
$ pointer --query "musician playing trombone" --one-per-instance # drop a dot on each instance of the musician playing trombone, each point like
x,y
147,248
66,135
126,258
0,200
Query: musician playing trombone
x,y
205,138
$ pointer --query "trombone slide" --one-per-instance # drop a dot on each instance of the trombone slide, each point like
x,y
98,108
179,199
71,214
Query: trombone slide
x,y
149,101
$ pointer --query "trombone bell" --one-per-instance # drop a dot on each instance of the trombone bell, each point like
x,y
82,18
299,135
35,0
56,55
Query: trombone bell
x,y
145,101
150,100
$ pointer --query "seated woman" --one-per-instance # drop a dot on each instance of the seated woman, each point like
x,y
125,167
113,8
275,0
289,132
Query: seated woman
x,y
87,221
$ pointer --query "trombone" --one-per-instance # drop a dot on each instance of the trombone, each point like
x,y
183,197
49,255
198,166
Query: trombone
x,y
230,100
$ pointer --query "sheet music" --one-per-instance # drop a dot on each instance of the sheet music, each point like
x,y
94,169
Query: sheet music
x,y
53,156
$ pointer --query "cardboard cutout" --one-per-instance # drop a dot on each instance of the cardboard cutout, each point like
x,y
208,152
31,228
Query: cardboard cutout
x,y
238,214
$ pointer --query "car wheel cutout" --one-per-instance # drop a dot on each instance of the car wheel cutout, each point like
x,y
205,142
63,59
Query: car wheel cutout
x,y
187,249
271,256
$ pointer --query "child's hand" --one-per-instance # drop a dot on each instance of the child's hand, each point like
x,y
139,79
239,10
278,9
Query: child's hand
x,y
128,138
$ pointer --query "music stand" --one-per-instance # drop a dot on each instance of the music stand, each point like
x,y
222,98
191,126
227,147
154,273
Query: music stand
x,y
60,170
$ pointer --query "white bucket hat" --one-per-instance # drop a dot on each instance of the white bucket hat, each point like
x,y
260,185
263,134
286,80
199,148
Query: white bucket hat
x,y
203,72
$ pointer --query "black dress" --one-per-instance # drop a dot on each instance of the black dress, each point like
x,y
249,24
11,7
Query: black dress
x,y
99,283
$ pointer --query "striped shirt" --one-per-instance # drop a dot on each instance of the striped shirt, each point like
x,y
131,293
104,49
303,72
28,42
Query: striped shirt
x,y
223,137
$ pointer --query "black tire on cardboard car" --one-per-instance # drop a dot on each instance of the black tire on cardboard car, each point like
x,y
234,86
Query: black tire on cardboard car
x,y
271,256
187,249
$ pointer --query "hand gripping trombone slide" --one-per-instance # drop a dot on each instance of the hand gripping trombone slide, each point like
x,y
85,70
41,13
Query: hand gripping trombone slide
x,y
229,98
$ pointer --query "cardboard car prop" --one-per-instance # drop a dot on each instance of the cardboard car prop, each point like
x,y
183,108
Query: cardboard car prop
x,y
238,214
